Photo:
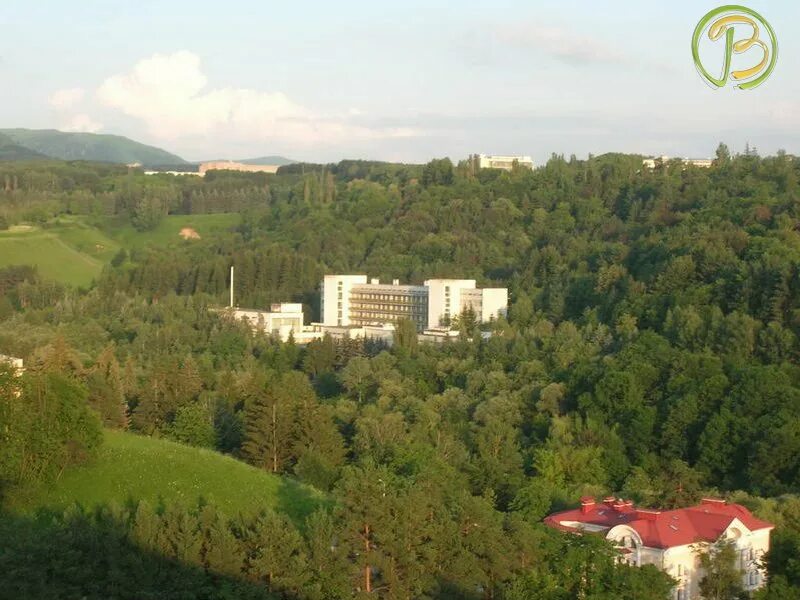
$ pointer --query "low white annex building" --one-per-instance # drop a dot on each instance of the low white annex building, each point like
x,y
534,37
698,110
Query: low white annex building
x,y
283,320
673,539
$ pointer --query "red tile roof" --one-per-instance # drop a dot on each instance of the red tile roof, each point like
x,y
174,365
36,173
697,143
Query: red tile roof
x,y
660,529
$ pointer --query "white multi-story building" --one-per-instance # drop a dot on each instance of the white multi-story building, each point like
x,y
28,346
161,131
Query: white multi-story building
x,y
353,307
672,540
506,163
352,300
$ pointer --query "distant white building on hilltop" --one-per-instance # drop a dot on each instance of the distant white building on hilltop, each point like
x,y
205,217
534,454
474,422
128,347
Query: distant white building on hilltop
x,y
703,163
504,162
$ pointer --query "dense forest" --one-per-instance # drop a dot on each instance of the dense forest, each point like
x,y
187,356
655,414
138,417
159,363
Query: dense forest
x,y
650,352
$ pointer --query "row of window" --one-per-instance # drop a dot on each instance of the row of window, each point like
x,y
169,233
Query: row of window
x,y
378,311
389,297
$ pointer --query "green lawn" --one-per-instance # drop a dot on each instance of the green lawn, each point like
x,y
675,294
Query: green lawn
x,y
142,468
168,230
68,251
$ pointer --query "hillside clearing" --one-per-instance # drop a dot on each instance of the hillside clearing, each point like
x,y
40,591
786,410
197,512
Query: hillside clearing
x,y
69,254
132,467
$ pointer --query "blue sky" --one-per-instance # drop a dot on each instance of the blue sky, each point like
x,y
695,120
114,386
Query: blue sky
x,y
401,81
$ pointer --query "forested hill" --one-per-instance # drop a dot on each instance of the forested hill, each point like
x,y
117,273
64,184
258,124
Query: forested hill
x,y
89,147
650,352
9,150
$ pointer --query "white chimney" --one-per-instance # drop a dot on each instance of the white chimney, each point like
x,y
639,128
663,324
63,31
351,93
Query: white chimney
x,y
375,281
231,286
395,282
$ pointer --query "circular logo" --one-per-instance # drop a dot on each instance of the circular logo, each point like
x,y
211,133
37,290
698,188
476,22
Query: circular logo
x,y
722,25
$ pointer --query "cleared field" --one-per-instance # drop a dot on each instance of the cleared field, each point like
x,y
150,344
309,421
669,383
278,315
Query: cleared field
x,y
70,251
142,468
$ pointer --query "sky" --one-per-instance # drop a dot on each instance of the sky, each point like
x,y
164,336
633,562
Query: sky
x,y
324,81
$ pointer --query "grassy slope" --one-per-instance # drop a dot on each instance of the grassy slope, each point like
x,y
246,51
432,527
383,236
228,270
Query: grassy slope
x,y
142,468
69,252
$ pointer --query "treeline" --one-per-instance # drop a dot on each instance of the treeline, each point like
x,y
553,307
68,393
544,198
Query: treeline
x,y
37,192
138,551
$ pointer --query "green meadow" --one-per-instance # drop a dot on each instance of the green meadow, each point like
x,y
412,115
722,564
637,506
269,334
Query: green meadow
x,y
67,251
133,467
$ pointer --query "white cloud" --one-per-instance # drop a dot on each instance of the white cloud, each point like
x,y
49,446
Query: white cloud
x,y
82,123
561,43
557,42
66,98
170,94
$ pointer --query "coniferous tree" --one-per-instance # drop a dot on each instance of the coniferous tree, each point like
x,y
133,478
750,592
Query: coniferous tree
x,y
106,390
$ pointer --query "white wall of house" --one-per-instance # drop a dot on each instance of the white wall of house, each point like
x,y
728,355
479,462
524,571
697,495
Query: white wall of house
x,y
683,562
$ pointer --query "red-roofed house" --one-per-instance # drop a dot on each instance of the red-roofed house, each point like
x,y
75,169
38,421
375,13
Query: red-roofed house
x,y
671,539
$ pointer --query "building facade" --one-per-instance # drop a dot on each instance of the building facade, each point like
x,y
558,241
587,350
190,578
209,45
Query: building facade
x,y
504,162
227,165
703,163
672,540
353,300
17,364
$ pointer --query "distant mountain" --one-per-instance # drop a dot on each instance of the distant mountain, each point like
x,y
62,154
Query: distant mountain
x,y
90,146
9,150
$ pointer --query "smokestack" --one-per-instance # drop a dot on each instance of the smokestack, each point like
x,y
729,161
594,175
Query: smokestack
x,y
231,286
